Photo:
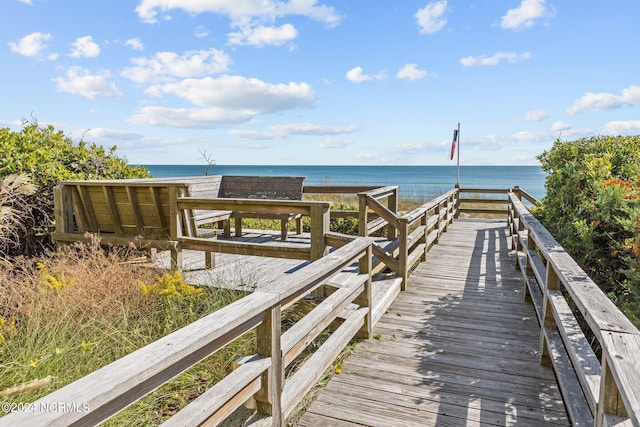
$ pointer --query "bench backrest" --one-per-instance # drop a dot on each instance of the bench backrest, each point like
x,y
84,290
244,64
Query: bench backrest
x,y
140,207
262,187
123,207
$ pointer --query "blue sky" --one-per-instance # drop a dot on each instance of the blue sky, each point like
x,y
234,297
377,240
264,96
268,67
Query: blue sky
x,y
363,82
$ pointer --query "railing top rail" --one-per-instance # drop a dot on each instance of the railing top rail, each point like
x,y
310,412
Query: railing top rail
x,y
124,183
431,204
484,190
338,189
598,310
528,197
292,206
111,388
380,192
105,391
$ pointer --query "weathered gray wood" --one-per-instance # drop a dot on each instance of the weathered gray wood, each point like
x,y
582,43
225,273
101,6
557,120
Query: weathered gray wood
x,y
268,344
320,218
115,386
63,209
338,189
384,212
218,402
244,248
300,335
307,376
620,387
599,312
458,347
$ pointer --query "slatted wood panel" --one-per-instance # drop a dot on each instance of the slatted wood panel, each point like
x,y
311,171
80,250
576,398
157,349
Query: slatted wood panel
x,y
459,347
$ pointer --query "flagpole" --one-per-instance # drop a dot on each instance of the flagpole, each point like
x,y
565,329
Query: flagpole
x,y
458,168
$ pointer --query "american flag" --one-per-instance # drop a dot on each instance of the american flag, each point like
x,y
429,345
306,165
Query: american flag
x,y
453,143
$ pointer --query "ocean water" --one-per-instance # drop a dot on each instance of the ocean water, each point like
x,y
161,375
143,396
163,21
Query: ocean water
x,y
416,182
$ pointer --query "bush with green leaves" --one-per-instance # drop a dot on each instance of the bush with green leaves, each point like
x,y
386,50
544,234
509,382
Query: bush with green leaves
x,y
592,207
47,156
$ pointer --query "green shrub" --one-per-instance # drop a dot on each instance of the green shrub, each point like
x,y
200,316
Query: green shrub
x,y
47,156
592,207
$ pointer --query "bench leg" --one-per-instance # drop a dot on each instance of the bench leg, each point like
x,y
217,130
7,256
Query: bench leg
x,y
299,225
238,222
283,229
176,259
209,260
227,228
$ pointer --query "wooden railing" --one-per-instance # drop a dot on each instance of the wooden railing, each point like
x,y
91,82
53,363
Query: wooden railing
x,y
600,392
409,236
317,211
105,392
483,201
421,228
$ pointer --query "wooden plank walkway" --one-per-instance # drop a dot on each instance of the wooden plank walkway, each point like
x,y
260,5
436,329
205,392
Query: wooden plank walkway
x,y
458,348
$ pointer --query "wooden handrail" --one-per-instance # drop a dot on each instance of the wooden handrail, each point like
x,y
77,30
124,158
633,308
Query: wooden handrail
x,y
318,211
112,388
596,392
434,217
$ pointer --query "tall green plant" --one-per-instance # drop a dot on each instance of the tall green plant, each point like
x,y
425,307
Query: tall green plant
x,y
592,207
46,156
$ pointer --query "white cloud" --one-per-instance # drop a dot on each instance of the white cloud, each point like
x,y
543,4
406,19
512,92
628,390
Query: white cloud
x,y
31,44
560,126
107,136
134,44
85,47
533,116
203,118
629,127
412,72
525,15
263,36
164,66
605,101
511,57
225,100
245,10
29,2
431,17
356,75
201,32
238,93
334,143
284,131
79,81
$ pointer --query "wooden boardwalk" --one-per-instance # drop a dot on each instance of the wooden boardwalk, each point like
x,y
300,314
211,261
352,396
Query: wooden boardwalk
x,y
458,348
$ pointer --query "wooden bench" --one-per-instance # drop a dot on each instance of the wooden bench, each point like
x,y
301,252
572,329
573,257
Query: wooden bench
x,y
118,212
264,187
139,212
205,186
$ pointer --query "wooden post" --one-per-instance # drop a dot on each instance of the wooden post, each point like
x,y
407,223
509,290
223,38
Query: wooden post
x,y
63,208
364,299
425,239
392,204
610,401
403,257
268,334
320,217
531,247
175,229
548,320
517,245
456,214
362,215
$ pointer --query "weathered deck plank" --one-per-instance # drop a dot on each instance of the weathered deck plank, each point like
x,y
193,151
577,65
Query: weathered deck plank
x,y
459,347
